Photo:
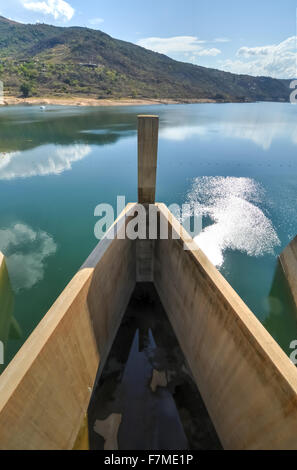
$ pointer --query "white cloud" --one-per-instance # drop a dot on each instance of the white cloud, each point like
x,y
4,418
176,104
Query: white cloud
x,y
96,21
26,251
276,60
173,44
213,51
178,44
56,8
222,40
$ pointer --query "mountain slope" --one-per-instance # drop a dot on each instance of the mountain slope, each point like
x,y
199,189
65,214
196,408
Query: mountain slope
x,y
56,60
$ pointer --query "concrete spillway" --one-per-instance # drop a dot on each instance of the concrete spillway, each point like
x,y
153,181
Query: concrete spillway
x,y
146,397
246,382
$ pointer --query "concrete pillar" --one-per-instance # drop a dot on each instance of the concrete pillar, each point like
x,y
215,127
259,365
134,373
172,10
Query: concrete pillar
x,y
147,166
147,158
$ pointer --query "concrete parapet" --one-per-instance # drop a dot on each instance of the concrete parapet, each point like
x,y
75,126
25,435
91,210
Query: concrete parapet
x,y
45,390
247,382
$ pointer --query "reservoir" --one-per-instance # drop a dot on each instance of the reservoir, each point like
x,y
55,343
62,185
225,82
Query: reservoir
x,y
236,161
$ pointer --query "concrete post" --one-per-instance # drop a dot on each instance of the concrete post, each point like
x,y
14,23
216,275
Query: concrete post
x,y
147,158
147,166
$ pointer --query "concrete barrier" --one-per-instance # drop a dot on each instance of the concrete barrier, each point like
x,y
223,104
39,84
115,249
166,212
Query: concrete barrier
x,y
45,390
247,382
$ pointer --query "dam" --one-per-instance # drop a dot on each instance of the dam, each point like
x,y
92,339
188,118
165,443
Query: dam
x,y
242,382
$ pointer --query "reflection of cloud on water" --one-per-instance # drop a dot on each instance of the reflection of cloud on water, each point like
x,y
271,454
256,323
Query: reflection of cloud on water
x,y
26,252
238,223
256,124
181,133
261,134
44,160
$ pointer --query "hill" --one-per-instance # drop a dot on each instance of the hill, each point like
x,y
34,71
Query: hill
x,y
41,59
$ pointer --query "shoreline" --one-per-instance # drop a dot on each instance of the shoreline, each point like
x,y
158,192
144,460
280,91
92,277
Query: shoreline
x,y
91,101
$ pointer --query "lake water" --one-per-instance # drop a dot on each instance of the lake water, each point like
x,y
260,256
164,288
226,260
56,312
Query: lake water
x,y
238,161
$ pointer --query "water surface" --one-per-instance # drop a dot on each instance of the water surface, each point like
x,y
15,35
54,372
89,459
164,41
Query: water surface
x,y
237,161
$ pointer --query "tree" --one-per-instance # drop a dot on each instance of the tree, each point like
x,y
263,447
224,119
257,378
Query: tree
x,y
26,89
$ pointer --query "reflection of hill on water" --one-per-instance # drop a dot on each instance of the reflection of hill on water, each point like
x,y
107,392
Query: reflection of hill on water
x,y
40,128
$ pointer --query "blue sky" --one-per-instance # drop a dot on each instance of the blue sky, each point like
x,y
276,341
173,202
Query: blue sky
x,y
256,36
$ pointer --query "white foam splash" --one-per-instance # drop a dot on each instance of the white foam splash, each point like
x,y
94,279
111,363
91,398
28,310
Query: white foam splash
x,y
239,224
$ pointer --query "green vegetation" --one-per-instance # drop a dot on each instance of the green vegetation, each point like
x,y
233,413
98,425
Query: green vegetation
x,y
26,89
59,61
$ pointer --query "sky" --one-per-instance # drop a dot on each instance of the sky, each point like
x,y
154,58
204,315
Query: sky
x,y
257,37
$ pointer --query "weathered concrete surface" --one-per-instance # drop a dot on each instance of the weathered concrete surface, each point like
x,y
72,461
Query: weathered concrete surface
x,y
45,390
147,158
247,382
288,260
145,250
148,127
82,439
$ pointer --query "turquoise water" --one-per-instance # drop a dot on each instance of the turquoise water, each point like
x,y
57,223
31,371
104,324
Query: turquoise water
x,y
238,161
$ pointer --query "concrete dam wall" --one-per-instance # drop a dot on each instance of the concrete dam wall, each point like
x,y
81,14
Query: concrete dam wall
x,y
248,384
45,390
